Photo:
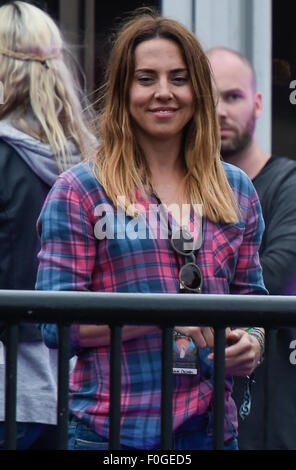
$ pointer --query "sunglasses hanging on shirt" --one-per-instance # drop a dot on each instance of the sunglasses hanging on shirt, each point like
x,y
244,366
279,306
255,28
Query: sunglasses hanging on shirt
x,y
183,243
190,275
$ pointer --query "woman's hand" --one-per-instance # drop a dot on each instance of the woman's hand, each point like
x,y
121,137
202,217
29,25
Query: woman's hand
x,y
202,336
243,353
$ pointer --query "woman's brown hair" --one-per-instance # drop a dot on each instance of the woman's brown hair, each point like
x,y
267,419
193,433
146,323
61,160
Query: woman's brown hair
x,y
120,165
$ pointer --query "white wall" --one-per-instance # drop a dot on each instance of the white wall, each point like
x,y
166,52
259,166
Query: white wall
x,y
180,10
243,25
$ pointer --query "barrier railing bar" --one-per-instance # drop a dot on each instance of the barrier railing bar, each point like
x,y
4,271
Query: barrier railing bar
x,y
219,389
63,386
167,390
270,345
269,312
115,387
190,309
10,429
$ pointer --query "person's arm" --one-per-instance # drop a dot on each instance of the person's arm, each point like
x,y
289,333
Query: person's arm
x,y
248,277
66,249
67,259
99,335
245,351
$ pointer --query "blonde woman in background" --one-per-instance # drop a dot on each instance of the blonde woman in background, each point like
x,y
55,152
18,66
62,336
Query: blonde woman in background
x,y
43,131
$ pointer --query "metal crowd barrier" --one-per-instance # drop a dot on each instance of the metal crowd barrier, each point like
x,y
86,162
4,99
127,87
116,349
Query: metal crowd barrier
x,y
116,310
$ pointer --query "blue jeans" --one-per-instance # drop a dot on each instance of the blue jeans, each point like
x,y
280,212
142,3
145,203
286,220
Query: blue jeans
x,y
26,435
83,438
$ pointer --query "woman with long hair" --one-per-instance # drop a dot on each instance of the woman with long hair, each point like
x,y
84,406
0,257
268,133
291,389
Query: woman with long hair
x,y
156,211
43,131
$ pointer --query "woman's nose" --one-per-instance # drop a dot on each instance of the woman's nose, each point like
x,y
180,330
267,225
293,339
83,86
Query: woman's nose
x,y
163,90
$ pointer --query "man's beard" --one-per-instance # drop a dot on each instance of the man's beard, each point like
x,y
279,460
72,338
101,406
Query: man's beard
x,y
240,140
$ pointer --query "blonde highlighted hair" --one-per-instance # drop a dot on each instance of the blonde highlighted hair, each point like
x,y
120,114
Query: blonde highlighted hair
x,y
120,165
38,82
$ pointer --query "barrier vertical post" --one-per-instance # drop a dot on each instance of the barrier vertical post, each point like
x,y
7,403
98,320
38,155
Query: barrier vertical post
x,y
270,346
10,387
167,389
115,388
63,386
219,388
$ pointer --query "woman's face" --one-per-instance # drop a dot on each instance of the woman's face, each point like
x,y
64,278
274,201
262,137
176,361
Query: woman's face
x,y
161,100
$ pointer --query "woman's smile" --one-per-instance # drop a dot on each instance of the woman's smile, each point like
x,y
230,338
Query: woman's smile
x,y
161,96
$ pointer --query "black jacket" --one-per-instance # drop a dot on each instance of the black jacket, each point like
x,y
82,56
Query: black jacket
x,y
22,194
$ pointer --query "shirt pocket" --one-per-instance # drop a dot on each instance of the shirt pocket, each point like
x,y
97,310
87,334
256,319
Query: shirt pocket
x,y
227,239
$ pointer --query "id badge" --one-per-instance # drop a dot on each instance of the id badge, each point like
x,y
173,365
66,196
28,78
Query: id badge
x,y
185,355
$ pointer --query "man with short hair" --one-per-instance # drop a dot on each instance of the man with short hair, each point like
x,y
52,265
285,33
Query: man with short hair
x,y
239,105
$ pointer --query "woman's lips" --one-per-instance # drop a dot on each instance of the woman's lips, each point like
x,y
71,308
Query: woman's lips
x,y
163,111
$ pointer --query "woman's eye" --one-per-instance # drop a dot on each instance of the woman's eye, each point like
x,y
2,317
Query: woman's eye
x,y
145,80
180,80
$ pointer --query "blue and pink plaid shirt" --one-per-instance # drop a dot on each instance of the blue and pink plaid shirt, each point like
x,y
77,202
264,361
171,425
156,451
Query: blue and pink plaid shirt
x,y
89,245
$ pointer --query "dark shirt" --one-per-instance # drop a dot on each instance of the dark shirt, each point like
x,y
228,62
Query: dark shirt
x,y
276,187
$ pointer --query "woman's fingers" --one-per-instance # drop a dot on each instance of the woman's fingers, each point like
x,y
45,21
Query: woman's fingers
x,y
241,352
241,356
202,336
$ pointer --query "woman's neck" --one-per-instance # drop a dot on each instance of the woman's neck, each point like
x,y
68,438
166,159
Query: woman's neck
x,y
161,154
167,168
167,180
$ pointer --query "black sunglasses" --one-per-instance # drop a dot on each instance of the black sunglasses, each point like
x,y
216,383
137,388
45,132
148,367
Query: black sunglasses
x,y
190,275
